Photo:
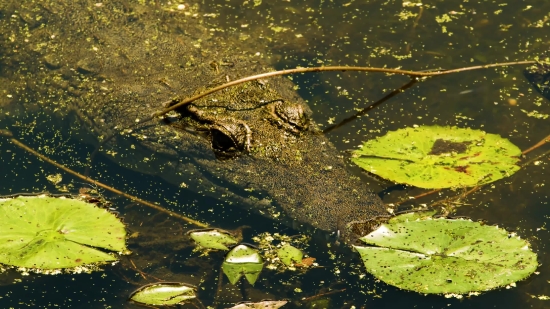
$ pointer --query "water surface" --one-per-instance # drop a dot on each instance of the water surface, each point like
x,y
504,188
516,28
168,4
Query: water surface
x,y
393,34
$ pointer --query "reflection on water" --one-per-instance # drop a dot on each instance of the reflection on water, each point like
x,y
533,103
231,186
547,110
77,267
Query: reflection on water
x,y
442,34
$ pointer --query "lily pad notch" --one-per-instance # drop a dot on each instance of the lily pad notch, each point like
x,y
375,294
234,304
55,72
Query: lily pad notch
x,y
45,233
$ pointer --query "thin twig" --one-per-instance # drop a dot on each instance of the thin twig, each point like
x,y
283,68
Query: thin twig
x,y
415,24
373,105
19,144
537,145
323,294
418,17
412,74
536,158
421,195
137,269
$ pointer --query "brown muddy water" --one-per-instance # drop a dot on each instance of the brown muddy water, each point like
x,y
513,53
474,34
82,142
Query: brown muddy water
x,y
394,34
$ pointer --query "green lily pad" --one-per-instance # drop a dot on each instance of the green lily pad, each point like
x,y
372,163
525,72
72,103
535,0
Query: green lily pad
x,y
46,233
439,157
242,260
213,238
164,294
446,256
290,255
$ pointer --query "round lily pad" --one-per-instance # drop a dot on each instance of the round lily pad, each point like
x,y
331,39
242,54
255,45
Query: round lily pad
x,y
164,294
446,256
439,157
242,260
47,233
212,238
290,255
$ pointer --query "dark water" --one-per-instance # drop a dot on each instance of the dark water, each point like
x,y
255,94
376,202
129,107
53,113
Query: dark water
x,y
313,33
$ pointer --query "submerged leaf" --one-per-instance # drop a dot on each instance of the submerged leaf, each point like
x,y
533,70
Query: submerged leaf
x,y
213,239
46,233
444,256
290,255
439,157
242,260
164,294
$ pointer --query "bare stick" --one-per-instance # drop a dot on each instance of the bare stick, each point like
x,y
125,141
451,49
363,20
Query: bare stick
x,y
137,269
16,142
323,294
457,197
412,74
421,195
537,145
415,24
536,158
373,105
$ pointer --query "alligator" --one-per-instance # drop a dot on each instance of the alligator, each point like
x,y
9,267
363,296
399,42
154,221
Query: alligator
x,y
100,68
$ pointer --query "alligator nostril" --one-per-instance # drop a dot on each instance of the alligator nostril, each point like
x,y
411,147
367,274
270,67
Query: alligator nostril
x,y
290,116
293,114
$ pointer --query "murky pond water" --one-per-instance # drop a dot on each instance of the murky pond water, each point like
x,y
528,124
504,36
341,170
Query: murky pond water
x,y
285,34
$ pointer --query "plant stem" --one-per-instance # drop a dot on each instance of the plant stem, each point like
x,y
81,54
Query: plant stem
x,y
365,110
13,140
179,103
537,145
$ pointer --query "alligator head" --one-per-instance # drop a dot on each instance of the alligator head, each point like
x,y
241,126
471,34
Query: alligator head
x,y
115,64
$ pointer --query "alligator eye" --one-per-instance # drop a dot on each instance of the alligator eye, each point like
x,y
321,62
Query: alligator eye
x,y
222,142
293,115
230,138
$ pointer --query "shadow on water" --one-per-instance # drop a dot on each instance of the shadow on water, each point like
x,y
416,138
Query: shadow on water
x,y
375,33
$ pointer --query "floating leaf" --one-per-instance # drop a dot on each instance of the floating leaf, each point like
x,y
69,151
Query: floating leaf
x,y
213,239
445,256
242,260
48,233
290,255
439,157
164,294
264,304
